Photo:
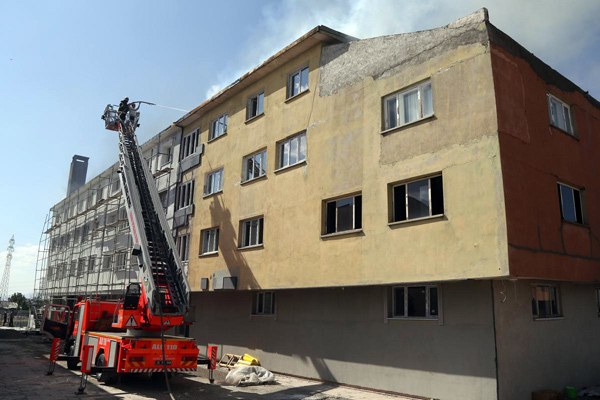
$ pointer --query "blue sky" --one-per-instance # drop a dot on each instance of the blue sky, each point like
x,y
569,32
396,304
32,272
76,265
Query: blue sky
x,y
61,62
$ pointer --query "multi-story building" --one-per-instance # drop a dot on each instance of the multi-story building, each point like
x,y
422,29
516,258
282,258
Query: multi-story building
x,y
89,243
414,213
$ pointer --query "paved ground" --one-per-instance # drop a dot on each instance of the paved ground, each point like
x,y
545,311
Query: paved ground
x,y
23,364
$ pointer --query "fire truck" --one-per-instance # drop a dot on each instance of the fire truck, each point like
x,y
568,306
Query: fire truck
x,y
128,334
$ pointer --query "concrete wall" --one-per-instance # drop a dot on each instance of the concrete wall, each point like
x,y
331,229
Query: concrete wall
x,y
347,153
545,354
341,335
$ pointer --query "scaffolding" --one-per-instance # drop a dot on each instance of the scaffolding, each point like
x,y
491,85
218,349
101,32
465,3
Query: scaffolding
x,y
85,245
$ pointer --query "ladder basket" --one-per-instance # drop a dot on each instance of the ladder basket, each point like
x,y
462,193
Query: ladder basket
x,y
110,118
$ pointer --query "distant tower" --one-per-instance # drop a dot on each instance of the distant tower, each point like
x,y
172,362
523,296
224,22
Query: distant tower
x,y
77,174
6,274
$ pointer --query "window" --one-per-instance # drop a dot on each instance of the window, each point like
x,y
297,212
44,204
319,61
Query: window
x,y
218,127
408,106
560,114
415,302
81,266
264,303
213,182
120,261
189,144
164,197
545,301
292,150
76,236
106,261
252,232
164,156
343,214
570,203
116,185
73,269
92,198
123,218
298,82
210,241
104,193
418,199
182,244
254,165
85,230
255,105
92,264
185,195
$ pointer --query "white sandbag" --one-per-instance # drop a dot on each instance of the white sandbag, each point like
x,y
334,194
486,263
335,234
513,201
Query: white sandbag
x,y
249,375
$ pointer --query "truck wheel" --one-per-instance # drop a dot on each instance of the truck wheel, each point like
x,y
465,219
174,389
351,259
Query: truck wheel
x,y
72,364
68,346
106,377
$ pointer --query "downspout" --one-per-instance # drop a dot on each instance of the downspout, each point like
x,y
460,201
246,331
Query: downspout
x,y
495,340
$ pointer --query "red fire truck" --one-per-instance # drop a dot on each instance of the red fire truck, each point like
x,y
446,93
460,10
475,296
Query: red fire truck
x,y
128,335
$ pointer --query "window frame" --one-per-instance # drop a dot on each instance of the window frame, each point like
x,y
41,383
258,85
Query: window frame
x,y
249,108
185,194
256,304
259,238
162,155
165,194
354,212
428,316
189,144
263,153
182,242
203,240
570,128
121,261
393,219
280,150
211,127
290,85
399,96
582,212
210,174
535,301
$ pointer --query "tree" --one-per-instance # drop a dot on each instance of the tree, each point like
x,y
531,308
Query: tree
x,y
21,301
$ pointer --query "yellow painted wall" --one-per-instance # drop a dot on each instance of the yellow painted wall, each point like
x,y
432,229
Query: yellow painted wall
x,y
347,153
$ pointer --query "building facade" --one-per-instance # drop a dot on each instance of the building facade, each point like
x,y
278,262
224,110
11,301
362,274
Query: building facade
x,y
411,213
89,244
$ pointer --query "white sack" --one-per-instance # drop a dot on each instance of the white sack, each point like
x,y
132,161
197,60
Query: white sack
x,y
249,375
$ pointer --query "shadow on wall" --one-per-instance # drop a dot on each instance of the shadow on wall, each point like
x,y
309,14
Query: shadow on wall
x,y
235,262
316,327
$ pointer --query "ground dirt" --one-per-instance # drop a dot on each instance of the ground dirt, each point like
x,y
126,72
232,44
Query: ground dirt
x,y
24,363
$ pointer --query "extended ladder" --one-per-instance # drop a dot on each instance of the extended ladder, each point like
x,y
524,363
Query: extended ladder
x,y
162,275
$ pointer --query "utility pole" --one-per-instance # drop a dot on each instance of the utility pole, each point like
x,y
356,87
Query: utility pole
x,y
6,274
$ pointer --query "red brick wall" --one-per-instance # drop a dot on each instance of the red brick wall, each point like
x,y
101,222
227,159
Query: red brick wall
x,y
534,157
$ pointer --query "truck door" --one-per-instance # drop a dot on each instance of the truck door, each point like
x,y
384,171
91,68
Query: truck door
x,y
56,321
77,333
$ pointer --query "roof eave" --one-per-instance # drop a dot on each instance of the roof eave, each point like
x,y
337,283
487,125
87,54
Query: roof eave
x,y
319,34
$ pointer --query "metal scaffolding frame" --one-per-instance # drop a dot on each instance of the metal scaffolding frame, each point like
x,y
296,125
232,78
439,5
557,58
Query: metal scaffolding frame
x,y
85,245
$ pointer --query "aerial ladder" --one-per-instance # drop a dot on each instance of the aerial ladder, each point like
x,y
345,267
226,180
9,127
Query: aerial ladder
x,y
127,335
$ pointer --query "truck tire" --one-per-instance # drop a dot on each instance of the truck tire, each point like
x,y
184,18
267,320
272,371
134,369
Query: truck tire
x,y
68,346
106,377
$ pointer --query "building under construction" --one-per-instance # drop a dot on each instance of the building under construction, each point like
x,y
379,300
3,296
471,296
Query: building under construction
x,y
85,247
